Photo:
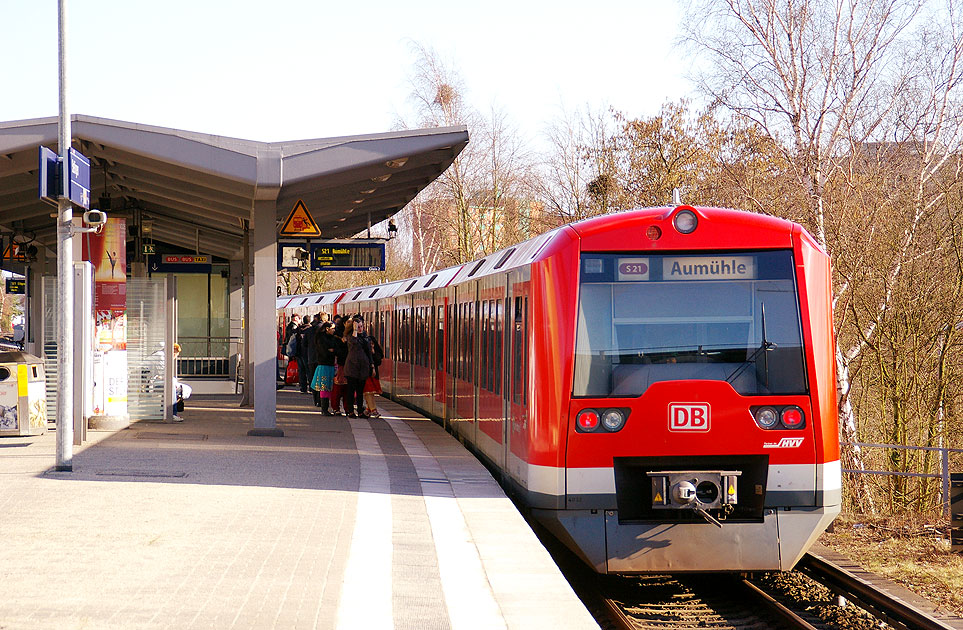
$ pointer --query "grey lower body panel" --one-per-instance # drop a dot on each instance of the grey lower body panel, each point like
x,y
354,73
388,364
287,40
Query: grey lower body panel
x,y
776,543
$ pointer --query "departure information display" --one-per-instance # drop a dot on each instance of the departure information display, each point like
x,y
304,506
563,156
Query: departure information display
x,y
331,256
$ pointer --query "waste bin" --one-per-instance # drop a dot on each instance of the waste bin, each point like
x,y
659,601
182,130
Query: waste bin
x,y
23,402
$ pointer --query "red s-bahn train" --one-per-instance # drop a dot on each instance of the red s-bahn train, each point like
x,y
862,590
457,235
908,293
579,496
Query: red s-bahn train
x,y
657,386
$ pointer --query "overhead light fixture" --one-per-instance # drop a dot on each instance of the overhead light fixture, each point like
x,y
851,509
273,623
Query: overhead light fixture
x,y
398,163
368,192
146,226
349,210
358,201
381,178
343,219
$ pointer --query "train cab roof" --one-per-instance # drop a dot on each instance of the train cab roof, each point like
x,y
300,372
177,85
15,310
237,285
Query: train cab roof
x,y
704,228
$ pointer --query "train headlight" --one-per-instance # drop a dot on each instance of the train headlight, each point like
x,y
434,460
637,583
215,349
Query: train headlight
x,y
766,417
613,420
792,418
685,221
587,420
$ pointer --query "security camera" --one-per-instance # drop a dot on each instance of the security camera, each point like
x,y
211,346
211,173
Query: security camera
x,y
95,218
302,254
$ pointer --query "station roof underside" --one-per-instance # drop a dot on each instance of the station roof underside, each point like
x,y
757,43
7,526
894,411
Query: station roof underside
x,y
198,189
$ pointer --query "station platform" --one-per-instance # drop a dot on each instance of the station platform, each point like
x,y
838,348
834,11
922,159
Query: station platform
x,y
341,524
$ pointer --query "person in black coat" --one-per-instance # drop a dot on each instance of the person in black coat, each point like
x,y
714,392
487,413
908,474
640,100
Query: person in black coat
x,y
311,354
340,354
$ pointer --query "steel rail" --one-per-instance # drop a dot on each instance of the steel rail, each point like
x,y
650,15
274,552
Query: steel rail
x,y
893,611
778,608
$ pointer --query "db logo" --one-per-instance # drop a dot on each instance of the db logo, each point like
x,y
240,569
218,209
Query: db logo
x,y
688,417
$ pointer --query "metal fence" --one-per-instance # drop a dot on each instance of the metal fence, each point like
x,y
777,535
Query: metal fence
x,y
208,357
944,474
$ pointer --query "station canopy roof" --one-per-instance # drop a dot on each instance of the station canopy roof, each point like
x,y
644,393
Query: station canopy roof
x,y
197,189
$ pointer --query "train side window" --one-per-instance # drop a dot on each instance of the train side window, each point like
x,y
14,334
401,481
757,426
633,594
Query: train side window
x,y
518,353
451,338
472,334
497,354
440,338
506,349
465,347
483,355
525,376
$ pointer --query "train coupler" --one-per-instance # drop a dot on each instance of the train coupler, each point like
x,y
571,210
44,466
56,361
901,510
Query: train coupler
x,y
697,490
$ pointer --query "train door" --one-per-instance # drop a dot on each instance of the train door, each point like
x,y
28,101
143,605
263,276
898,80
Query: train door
x,y
440,355
383,330
421,372
464,411
451,356
403,351
491,410
516,378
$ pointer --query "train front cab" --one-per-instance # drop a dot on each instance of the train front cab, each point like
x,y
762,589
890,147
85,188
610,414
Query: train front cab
x,y
775,488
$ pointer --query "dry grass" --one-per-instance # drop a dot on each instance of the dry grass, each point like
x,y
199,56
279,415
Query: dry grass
x,y
913,553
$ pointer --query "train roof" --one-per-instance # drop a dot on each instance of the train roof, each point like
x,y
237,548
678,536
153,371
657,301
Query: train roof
x,y
308,300
529,251
373,292
714,216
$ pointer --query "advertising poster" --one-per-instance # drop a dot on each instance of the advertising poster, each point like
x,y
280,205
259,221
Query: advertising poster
x,y
107,252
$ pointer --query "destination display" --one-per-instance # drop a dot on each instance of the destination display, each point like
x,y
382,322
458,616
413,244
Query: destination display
x,y
331,256
347,256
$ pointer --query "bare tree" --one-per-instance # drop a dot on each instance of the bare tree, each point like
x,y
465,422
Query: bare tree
x,y
816,75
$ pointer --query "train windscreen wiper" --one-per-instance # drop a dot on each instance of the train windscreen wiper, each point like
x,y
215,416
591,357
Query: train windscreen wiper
x,y
763,348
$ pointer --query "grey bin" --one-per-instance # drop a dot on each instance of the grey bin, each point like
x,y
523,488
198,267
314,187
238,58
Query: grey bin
x,y
23,402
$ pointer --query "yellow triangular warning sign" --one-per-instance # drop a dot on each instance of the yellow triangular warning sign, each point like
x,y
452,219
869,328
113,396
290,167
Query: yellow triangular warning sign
x,y
658,498
299,222
13,252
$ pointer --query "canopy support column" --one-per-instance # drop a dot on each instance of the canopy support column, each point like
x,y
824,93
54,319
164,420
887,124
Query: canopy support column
x,y
263,333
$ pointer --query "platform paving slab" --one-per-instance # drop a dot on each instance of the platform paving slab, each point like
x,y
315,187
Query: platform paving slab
x,y
198,525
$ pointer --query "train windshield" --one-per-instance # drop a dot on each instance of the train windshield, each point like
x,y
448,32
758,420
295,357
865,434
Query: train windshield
x,y
646,318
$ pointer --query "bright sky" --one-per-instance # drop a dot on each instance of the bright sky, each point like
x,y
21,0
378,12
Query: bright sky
x,y
292,69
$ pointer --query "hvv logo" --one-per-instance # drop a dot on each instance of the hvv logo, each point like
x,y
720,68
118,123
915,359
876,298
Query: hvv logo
x,y
688,417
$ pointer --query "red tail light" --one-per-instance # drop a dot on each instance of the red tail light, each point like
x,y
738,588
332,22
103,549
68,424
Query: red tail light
x,y
792,417
588,420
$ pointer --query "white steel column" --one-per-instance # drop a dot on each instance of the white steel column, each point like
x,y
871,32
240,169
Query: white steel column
x,y
264,248
65,273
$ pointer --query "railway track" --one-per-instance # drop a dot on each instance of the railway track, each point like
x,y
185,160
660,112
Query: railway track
x,y
804,599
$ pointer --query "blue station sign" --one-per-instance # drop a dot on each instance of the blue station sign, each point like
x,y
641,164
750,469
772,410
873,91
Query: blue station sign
x,y
78,169
78,177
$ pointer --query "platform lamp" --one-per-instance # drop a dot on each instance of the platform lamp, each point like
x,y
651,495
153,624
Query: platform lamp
x,y
392,229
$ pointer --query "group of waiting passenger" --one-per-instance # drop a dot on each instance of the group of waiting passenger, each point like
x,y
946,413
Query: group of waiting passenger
x,y
337,362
